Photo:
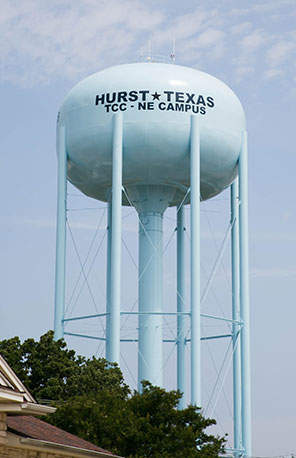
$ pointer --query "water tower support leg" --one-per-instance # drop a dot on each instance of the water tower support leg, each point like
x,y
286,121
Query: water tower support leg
x,y
61,237
109,236
113,337
195,262
181,320
244,298
236,316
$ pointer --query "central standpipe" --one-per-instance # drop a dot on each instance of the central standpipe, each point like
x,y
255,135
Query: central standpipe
x,y
150,201
150,298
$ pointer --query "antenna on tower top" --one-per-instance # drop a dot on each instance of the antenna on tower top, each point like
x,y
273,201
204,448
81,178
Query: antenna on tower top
x,y
173,53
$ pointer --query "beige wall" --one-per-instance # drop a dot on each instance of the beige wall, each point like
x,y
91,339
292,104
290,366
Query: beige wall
x,y
8,451
12,452
3,428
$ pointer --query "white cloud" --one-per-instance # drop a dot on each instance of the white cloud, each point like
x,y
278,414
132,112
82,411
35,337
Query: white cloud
x,y
242,72
239,11
247,58
253,41
273,74
274,236
264,7
209,37
280,52
186,28
241,28
16,220
42,41
272,5
273,273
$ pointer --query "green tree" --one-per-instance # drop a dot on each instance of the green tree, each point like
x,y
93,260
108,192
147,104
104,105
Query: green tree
x,y
94,403
52,372
164,431
141,425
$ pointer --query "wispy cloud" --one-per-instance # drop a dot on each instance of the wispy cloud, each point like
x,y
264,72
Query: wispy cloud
x,y
37,222
254,40
273,73
274,236
273,273
41,41
241,28
280,52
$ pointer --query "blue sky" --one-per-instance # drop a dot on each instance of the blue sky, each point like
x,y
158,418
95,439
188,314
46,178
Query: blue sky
x,y
46,48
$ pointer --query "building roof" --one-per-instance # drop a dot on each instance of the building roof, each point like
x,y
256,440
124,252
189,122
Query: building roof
x,y
33,428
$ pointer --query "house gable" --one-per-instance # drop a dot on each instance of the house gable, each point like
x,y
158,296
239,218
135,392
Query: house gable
x,y
11,388
22,435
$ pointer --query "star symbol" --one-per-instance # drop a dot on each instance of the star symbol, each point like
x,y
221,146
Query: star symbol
x,y
156,96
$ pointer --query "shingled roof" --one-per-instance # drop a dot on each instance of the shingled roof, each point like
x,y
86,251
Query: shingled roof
x,y
33,428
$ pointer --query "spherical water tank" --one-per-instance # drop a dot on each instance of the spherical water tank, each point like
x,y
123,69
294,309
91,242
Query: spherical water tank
x,y
157,101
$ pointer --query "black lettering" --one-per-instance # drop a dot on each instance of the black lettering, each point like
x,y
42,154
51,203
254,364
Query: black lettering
x,y
161,106
114,107
210,102
100,99
150,106
107,108
202,110
142,106
169,94
133,96
187,107
179,107
179,96
122,96
195,109
170,106
144,93
190,98
111,99
201,100
122,106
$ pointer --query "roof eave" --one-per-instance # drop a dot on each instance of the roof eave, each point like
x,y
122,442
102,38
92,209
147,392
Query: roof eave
x,y
13,380
79,451
26,408
7,396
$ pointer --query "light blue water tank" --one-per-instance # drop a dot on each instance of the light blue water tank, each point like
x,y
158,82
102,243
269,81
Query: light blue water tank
x,y
157,101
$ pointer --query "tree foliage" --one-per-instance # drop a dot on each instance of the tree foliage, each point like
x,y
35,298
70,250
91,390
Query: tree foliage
x,y
52,372
93,402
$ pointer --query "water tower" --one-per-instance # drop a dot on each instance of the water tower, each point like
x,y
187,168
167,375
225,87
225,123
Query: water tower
x,y
166,135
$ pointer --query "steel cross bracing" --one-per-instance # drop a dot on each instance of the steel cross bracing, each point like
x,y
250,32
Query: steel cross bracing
x,y
239,322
